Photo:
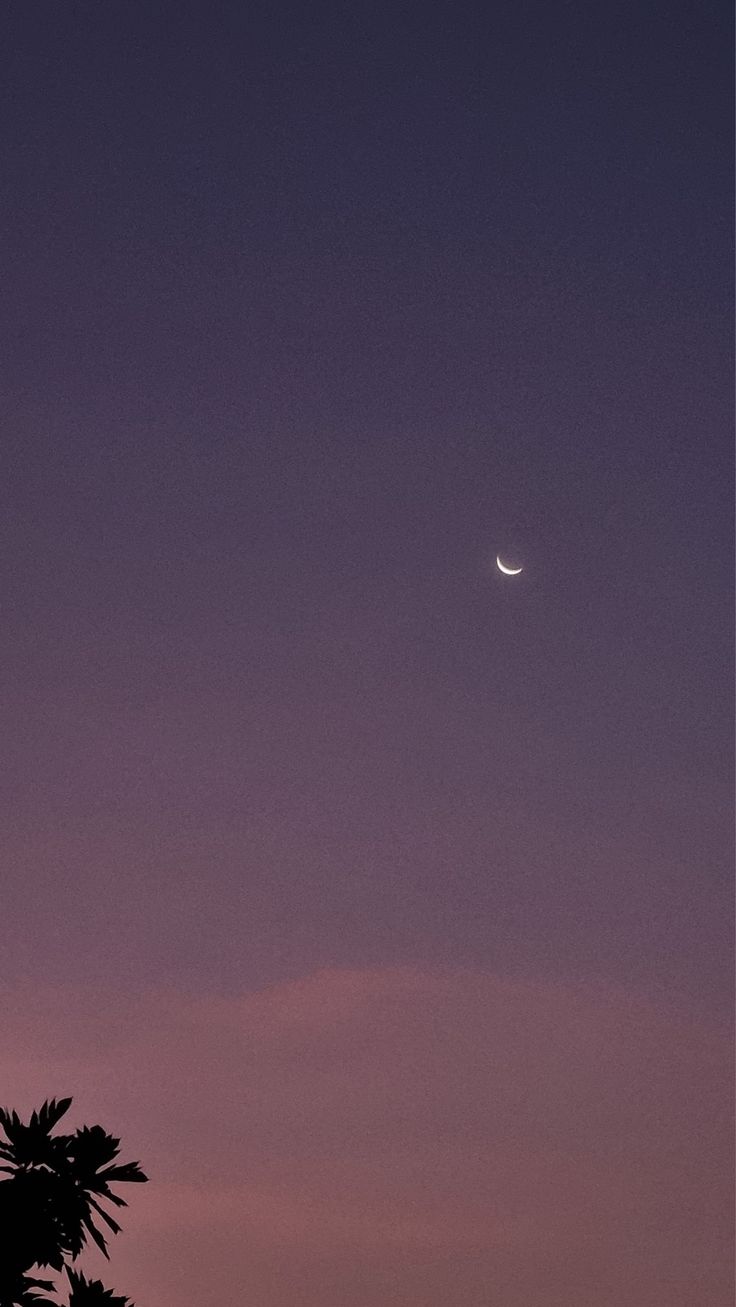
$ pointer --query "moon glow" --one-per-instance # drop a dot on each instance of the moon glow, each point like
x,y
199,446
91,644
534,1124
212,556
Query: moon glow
x,y
507,571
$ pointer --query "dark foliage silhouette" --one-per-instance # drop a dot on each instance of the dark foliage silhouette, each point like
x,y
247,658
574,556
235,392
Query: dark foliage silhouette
x,y
51,1205
92,1293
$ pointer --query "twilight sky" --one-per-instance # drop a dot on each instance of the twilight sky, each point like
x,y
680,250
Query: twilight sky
x,y
383,904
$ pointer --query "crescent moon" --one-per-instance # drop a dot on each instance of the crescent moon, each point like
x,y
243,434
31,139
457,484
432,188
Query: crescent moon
x,y
507,571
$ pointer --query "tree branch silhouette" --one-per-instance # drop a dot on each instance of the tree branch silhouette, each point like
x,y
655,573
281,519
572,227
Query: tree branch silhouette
x,y
54,1195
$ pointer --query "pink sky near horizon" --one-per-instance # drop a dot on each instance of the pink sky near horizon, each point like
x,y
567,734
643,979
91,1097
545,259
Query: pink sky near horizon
x,y
399,1136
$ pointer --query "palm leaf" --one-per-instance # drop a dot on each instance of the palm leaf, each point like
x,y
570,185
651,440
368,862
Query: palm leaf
x,y
130,1172
92,1293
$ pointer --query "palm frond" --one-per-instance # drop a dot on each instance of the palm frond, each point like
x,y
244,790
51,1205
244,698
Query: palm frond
x,y
129,1172
92,1293
19,1290
109,1220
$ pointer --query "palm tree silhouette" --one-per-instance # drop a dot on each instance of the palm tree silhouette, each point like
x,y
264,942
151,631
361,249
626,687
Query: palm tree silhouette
x,y
49,1203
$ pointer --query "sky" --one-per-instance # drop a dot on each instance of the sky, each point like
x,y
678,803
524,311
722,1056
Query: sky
x,y
382,903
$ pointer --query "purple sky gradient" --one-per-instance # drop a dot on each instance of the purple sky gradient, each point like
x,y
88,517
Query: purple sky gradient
x,y
307,312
